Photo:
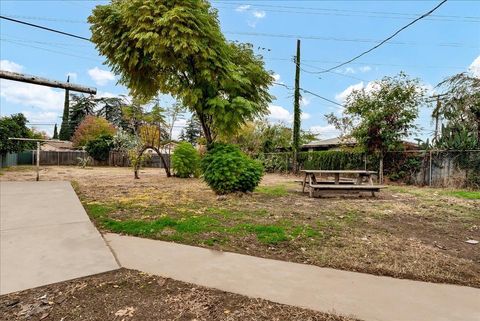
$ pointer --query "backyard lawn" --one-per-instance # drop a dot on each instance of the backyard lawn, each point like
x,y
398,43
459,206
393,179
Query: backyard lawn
x,y
406,232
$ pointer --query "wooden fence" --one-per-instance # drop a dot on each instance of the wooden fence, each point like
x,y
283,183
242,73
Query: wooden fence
x,y
66,158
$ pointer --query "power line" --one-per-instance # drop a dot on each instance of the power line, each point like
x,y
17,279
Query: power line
x,y
388,38
309,92
279,35
50,50
330,11
44,28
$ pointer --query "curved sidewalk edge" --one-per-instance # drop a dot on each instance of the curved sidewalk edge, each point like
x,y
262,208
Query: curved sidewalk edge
x,y
364,296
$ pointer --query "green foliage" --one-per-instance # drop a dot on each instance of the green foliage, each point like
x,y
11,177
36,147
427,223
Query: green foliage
x,y
185,160
14,126
278,190
460,105
332,160
472,195
80,107
261,136
91,128
177,48
226,169
65,129
457,137
55,132
380,118
99,148
192,132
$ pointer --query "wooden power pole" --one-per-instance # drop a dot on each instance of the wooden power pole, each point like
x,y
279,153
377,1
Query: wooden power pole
x,y
46,82
296,111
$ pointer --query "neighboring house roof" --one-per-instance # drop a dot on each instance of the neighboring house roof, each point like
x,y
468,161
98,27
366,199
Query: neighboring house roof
x,y
336,141
57,145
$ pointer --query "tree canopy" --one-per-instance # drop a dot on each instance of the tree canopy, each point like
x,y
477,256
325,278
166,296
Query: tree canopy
x,y
460,107
177,48
14,126
381,116
91,128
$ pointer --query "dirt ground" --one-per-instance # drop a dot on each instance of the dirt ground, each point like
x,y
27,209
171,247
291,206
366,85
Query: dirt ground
x,y
130,295
405,232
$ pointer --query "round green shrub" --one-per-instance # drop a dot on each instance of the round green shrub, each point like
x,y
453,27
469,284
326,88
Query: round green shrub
x,y
185,160
100,147
226,169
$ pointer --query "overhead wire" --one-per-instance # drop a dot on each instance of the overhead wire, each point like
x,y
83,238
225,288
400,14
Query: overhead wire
x,y
387,39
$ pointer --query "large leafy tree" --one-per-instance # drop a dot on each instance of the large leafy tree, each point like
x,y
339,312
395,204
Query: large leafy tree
x,y
91,128
382,115
177,48
151,131
81,106
460,107
14,126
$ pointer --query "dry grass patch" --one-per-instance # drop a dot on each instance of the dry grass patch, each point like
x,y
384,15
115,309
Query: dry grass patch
x,y
406,232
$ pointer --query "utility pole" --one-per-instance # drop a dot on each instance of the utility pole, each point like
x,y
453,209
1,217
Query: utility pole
x,y
436,114
296,111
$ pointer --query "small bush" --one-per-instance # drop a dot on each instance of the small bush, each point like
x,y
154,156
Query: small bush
x,y
185,160
100,147
226,170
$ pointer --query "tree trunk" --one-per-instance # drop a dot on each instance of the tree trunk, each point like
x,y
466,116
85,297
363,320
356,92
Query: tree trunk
x,y
380,170
164,162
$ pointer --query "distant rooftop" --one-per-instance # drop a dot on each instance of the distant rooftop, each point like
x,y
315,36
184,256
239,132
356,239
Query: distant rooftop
x,y
336,141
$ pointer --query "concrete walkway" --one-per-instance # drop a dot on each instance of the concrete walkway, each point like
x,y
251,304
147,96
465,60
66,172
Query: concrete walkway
x,y
364,296
46,236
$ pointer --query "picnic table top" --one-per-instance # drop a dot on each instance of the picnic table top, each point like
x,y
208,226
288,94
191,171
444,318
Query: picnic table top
x,y
321,171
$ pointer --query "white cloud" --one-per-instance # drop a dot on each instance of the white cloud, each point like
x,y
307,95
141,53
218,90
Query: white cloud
x,y
474,68
177,128
352,70
242,8
327,131
276,77
8,65
349,70
279,113
33,96
101,77
105,94
305,101
365,68
344,94
305,116
73,76
259,14
371,86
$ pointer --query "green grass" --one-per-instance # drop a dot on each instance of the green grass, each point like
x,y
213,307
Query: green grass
x,y
194,227
278,190
472,195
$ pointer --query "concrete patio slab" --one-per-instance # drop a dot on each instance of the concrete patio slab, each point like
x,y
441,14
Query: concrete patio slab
x,y
46,236
364,296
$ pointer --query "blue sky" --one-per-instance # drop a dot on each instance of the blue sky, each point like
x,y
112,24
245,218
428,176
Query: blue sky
x,y
331,31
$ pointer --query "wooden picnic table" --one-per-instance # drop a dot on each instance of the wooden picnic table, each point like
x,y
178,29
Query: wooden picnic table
x,y
340,183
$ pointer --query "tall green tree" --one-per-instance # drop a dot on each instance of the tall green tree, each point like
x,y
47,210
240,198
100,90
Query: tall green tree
x,y
379,118
65,129
177,48
14,126
81,107
460,105
111,108
192,131
55,132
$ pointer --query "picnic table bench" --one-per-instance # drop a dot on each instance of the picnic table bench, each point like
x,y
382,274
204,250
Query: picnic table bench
x,y
340,183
